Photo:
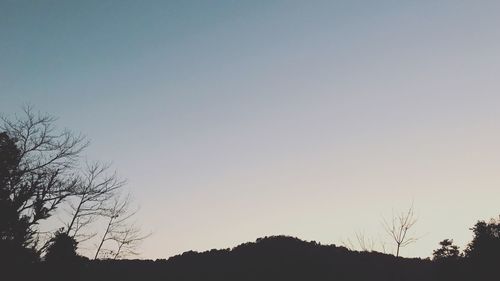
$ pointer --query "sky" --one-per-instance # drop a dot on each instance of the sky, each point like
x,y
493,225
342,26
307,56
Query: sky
x,y
233,120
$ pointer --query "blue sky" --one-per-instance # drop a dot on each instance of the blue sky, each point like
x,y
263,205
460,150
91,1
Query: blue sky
x,y
233,120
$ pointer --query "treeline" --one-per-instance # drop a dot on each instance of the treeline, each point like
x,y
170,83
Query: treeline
x,y
288,258
479,260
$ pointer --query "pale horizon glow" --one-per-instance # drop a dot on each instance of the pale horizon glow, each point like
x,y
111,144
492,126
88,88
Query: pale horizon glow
x,y
233,120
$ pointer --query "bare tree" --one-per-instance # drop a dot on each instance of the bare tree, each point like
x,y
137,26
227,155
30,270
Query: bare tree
x,y
41,170
120,230
95,188
398,228
44,169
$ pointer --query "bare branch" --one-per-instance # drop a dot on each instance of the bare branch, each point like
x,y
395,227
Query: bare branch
x,y
95,188
126,235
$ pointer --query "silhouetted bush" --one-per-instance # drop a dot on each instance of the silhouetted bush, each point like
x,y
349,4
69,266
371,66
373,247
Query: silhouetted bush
x,y
62,249
447,260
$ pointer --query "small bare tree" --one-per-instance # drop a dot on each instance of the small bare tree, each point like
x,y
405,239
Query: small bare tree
x,y
362,242
95,188
120,230
398,228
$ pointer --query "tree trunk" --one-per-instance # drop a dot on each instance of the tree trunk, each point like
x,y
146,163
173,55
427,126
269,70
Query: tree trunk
x,y
70,226
103,238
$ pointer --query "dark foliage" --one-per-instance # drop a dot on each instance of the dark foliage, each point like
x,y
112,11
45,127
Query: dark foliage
x,y
447,252
14,227
61,260
483,252
15,231
447,259
485,246
62,249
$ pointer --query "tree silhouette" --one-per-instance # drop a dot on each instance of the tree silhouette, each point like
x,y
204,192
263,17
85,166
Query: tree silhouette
x,y
447,260
480,259
40,174
41,171
61,259
62,249
13,227
399,228
447,251
15,232
485,245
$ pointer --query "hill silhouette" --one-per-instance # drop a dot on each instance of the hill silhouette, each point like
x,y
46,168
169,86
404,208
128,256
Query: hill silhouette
x,y
268,258
274,258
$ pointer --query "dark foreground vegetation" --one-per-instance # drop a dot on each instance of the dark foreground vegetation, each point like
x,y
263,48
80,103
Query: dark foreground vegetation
x,y
270,258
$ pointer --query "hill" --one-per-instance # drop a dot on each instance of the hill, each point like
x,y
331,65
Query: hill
x,y
269,258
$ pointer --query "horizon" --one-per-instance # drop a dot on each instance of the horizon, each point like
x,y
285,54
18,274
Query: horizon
x,y
235,120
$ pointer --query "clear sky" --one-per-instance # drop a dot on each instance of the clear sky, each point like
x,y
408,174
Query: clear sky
x,y
233,120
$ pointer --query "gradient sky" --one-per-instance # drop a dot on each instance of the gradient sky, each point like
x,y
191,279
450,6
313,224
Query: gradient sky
x,y
233,120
